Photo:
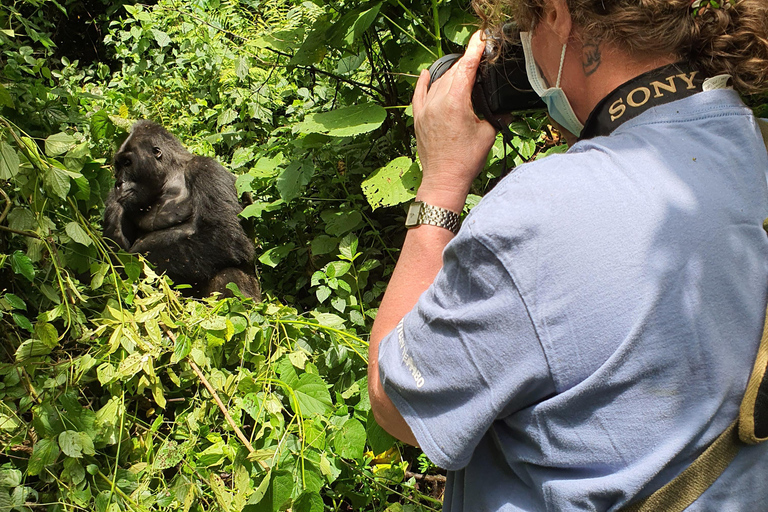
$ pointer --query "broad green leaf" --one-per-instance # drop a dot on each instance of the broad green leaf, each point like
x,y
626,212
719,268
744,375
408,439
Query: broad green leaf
x,y
554,150
378,438
102,126
214,323
308,502
329,319
9,162
323,244
460,27
73,471
348,246
350,440
241,157
312,395
47,333
131,365
346,121
21,264
78,234
57,181
169,455
314,47
15,301
242,67
255,210
44,453
339,223
275,255
220,492
293,179
181,348
393,184
5,96
161,37
31,348
59,143
10,477
76,444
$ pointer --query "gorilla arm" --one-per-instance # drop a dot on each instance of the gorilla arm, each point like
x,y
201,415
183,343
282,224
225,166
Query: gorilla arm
x,y
163,238
117,227
173,207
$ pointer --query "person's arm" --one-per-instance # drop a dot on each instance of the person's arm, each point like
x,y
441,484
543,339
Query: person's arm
x,y
453,145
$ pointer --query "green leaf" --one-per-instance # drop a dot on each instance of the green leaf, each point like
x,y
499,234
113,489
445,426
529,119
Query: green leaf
x,y
59,143
339,223
345,122
21,264
44,454
169,455
242,67
350,440
323,244
102,126
78,234
131,365
10,477
275,255
47,333
378,438
348,246
57,181
460,27
308,502
393,184
161,37
15,301
9,162
76,444
5,96
293,179
312,395
31,348
181,349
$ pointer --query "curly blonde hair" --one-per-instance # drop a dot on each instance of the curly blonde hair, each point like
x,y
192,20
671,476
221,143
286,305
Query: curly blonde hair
x,y
731,40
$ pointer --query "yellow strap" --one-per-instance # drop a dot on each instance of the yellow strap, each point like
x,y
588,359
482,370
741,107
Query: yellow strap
x,y
678,494
747,410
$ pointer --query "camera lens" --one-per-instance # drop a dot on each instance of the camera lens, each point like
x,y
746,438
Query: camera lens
x,y
441,65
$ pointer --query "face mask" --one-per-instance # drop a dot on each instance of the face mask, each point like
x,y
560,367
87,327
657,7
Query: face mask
x,y
554,97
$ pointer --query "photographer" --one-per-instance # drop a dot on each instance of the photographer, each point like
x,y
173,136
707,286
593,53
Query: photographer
x,y
590,329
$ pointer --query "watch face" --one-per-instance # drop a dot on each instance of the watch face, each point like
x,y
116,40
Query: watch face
x,y
412,219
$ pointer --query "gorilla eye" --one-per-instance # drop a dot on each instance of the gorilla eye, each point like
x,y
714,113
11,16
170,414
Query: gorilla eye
x,y
158,153
123,161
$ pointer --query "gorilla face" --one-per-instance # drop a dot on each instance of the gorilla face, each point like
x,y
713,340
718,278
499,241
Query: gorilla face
x,y
144,164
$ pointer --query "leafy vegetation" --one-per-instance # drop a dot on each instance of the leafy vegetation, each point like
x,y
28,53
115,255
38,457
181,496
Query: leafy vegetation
x,y
118,394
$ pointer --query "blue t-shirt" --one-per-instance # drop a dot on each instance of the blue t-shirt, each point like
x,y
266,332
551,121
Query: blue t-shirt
x,y
596,319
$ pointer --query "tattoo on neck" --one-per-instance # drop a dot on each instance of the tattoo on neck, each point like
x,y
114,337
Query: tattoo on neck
x,y
590,59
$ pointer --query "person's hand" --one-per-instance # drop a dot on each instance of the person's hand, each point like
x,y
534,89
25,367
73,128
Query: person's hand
x,y
453,143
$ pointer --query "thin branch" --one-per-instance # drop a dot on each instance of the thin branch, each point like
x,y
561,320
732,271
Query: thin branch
x,y
221,405
433,479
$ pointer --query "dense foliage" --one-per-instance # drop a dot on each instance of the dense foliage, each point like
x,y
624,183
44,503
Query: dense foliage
x,y
118,394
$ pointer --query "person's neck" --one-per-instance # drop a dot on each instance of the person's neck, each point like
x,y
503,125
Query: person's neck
x,y
599,70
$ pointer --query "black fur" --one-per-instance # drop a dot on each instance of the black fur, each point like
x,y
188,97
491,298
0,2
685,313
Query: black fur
x,y
180,211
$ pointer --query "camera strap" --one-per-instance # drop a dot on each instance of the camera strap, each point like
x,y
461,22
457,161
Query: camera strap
x,y
656,87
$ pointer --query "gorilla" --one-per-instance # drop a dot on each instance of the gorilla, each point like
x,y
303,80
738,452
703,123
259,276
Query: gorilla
x,y
181,211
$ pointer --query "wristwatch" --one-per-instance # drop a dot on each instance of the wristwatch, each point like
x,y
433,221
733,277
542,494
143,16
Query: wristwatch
x,y
420,212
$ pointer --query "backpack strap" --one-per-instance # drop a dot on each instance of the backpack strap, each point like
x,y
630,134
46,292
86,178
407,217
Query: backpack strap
x,y
750,427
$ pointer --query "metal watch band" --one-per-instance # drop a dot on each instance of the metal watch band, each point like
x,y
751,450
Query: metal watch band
x,y
422,213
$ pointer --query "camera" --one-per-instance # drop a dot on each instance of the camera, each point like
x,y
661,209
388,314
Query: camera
x,y
501,86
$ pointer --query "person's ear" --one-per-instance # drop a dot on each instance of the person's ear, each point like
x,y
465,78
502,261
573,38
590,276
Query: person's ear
x,y
558,17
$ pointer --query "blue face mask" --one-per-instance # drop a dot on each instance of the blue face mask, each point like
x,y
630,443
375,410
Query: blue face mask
x,y
554,97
